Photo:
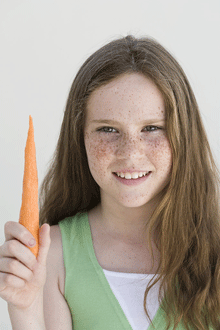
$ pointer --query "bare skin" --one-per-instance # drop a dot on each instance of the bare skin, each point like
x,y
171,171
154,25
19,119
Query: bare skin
x,y
118,255
130,100
118,224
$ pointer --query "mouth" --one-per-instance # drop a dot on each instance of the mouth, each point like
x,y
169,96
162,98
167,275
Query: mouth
x,y
132,178
132,182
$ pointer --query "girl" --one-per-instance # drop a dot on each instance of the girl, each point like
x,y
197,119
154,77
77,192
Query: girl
x,y
132,198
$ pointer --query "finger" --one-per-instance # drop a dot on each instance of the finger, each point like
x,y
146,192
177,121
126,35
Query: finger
x,y
7,280
16,268
44,243
15,249
14,229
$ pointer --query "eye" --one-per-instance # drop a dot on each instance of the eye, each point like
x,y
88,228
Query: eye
x,y
102,129
155,128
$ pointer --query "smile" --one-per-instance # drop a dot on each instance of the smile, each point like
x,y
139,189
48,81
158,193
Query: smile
x,y
134,181
133,175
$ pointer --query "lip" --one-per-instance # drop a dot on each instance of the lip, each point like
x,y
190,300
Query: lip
x,y
130,171
132,182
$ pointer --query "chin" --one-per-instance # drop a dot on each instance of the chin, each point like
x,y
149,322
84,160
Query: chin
x,y
134,202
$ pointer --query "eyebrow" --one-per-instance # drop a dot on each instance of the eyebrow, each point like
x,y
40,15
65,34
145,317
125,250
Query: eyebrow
x,y
114,122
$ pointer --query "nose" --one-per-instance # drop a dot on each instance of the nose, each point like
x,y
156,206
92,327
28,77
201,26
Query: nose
x,y
131,147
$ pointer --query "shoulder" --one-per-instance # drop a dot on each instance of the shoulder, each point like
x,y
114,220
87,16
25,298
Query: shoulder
x,y
57,314
55,256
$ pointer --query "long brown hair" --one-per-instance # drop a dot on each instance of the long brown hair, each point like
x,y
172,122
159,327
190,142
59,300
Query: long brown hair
x,y
187,219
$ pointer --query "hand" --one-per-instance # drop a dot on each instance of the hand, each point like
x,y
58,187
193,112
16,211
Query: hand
x,y
22,275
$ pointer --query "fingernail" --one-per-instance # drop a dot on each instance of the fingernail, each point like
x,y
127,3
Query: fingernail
x,y
32,242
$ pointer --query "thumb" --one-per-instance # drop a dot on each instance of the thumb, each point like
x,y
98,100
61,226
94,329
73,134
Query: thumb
x,y
44,243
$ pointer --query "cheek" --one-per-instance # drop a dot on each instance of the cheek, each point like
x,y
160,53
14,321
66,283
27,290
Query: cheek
x,y
99,155
161,154
98,150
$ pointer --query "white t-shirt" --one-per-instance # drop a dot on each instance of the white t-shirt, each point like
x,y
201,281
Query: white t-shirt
x,y
129,289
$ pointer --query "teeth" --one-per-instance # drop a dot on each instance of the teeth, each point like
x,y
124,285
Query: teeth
x,y
133,175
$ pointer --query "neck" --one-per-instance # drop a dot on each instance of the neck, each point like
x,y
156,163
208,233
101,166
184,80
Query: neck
x,y
129,225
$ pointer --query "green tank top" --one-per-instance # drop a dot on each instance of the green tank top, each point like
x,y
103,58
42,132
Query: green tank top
x,y
91,301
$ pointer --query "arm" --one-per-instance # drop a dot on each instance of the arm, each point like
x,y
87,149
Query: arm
x,y
57,315
33,318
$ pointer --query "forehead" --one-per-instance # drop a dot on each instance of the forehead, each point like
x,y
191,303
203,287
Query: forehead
x,y
133,92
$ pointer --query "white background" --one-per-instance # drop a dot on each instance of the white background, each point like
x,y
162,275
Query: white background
x,y
42,46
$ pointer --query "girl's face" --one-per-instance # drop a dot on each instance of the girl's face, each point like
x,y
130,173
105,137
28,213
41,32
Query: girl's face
x,y
134,139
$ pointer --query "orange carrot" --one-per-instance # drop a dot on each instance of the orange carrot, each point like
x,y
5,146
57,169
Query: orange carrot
x,y
29,213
